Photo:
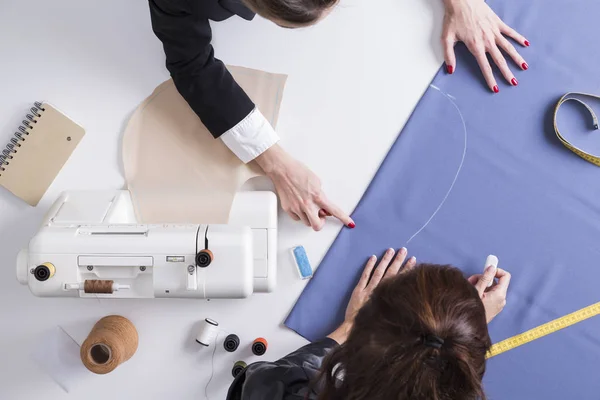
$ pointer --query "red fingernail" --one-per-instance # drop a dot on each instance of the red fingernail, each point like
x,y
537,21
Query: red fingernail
x,y
450,69
524,66
495,88
351,225
526,43
514,81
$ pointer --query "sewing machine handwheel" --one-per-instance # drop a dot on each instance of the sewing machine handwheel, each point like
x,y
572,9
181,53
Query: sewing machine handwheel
x,y
204,258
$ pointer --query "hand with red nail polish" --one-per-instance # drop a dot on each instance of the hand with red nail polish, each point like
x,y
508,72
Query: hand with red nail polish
x,y
483,32
299,189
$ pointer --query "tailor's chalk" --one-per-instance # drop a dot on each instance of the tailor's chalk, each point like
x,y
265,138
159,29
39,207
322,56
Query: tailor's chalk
x,y
491,261
302,264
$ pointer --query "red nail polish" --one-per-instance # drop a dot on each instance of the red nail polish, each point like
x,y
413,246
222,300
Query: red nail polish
x,y
351,225
514,81
525,66
526,43
495,88
450,69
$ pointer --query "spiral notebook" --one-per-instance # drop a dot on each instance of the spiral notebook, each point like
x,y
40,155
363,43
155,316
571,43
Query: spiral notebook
x,y
37,152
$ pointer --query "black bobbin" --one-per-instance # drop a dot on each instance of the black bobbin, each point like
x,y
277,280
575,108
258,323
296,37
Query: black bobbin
x,y
259,346
238,367
231,343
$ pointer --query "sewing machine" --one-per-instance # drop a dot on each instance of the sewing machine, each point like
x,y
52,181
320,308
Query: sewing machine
x,y
90,245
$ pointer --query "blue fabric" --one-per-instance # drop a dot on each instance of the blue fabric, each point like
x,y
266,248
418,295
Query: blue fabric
x,y
520,195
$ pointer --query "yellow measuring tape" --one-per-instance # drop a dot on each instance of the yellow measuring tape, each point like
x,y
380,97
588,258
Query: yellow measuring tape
x,y
543,330
581,153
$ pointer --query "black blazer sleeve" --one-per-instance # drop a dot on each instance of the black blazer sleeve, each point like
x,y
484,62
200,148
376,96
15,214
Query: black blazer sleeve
x,y
202,80
292,377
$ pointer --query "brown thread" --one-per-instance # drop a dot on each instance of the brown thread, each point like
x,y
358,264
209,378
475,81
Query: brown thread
x,y
98,286
112,341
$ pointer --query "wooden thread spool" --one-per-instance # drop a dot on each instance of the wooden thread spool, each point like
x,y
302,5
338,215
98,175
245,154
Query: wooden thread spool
x,y
112,341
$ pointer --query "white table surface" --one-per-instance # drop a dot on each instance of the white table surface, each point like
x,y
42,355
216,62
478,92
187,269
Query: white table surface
x,y
353,81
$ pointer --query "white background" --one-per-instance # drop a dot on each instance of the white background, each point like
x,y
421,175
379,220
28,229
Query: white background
x,y
353,81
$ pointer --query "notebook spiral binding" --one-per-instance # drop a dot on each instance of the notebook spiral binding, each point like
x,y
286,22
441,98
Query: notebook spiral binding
x,y
20,136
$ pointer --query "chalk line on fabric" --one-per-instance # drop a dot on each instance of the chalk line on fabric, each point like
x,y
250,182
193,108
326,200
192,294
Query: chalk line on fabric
x,y
462,160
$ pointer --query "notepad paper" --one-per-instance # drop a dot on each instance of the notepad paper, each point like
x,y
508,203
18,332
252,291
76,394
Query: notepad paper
x,y
38,152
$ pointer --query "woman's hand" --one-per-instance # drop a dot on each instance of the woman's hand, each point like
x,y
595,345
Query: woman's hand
x,y
474,23
367,283
494,297
299,189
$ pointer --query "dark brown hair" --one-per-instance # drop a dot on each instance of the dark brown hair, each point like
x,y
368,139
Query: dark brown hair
x,y
421,336
297,12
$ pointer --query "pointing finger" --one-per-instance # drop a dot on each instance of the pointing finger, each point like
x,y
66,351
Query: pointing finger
x,y
449,56
336,212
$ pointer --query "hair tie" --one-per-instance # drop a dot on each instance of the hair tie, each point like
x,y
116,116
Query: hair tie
x,y
433,341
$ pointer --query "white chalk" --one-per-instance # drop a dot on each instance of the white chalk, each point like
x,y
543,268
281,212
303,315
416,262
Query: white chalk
x,y
491,261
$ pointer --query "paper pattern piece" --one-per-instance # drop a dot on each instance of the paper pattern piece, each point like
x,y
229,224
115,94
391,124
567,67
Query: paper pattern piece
x,y
174,168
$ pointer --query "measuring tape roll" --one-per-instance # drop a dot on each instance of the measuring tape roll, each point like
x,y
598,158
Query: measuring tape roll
x,y
581,153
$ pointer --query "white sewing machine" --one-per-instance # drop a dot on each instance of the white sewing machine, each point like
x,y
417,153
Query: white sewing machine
x,y
90,245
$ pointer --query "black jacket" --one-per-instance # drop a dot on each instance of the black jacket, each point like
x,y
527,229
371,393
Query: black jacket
x,y
203,81
290,378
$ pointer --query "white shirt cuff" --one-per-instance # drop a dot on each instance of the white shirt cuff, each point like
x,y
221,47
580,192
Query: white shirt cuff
x,y
250,137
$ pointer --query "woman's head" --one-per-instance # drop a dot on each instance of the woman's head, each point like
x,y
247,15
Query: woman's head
x,y
421,336
292,13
